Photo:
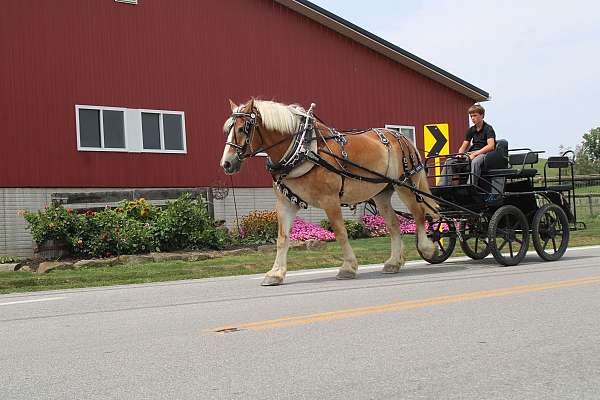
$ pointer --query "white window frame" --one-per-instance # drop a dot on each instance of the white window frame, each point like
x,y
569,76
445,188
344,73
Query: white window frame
x,y
101,148
162,131
399,129
132,121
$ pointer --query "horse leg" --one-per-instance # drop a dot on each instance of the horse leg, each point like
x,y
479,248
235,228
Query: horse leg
x,y
417,210
350,264
384,205
286,212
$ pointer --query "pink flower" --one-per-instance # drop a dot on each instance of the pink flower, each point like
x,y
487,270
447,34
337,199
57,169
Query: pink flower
x,y
303,230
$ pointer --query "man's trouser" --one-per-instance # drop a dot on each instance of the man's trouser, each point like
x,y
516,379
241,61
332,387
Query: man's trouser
x,y
451,168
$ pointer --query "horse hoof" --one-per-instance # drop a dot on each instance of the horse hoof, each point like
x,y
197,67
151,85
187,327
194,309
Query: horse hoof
x,y
390,269
271,281
343,275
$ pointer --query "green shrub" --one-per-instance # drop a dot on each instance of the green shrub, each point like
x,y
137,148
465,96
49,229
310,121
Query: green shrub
x,y
112,232
354,228
9,259
133,227
325,224
185,224
52,223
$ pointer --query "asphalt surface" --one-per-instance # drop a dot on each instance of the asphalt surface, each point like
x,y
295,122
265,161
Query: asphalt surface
x,y
458,330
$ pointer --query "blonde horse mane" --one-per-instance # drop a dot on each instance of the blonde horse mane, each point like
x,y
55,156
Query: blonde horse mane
x,y
282,118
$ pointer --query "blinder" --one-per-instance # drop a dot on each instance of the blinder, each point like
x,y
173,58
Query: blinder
x,y
247,130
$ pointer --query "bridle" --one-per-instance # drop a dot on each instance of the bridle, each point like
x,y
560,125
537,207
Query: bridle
x,y
248,132
250,126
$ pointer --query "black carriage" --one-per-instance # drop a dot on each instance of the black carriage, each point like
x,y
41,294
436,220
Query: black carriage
x,y
505,208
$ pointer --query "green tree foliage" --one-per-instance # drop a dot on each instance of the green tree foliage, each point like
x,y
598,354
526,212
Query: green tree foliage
x,y
583,164
591,145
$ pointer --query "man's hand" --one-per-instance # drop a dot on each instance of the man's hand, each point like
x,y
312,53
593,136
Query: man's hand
x,y
472,156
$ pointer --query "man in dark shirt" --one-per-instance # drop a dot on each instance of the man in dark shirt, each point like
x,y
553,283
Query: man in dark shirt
x,y
480,139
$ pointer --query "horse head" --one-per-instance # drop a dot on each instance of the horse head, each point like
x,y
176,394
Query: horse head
x,y
240,130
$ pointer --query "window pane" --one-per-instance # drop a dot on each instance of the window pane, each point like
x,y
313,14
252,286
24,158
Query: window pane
x,y
150,131
409,133
89,127
114,129
173,131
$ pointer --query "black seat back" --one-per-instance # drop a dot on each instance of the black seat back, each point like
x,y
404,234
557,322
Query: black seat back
x,y
522,158
498,158
502,147
558,162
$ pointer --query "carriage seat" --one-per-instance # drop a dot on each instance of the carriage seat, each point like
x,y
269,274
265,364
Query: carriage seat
x,y
518,170
557,162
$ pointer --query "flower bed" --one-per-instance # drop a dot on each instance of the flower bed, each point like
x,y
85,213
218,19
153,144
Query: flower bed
x,y
303,230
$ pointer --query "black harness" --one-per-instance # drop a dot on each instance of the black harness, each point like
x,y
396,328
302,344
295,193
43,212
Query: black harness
x,y
299,151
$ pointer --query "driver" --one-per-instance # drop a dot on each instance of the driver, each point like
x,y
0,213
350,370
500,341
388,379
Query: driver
x,y
480,139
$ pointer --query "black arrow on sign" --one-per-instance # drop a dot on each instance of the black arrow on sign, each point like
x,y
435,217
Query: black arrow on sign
x,y
440,140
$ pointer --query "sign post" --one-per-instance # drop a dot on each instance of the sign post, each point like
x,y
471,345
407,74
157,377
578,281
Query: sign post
x,y
436,139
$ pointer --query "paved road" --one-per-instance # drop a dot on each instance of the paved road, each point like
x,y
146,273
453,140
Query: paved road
x,y
460,330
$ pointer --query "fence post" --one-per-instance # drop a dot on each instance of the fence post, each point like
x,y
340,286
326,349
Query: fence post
x,y
589,196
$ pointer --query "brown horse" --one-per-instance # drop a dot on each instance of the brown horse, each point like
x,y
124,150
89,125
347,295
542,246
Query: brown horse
x,y
314,165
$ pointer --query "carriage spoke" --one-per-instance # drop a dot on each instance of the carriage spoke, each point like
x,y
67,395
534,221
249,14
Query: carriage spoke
x,y
511,249
519,241
554,244
502,245
441,246
545,243
476,243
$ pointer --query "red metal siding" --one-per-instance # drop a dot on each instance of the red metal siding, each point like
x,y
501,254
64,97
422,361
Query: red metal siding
x,y
186,56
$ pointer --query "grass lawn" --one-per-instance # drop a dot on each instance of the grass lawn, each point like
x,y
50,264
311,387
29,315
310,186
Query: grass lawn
x,y
368,251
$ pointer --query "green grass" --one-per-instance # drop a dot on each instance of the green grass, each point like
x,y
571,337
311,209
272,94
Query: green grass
x,y
368,251
587,189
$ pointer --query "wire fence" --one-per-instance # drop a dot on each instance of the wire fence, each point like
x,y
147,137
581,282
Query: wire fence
x,y
587,192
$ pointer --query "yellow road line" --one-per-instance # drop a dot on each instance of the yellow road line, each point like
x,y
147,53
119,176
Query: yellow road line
x,y
403,305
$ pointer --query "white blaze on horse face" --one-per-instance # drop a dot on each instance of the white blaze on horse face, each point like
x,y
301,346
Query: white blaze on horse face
x,y
228,153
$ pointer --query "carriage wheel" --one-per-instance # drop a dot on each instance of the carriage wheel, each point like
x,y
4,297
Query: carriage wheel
x,y
474,241
508,235
550,232
444,241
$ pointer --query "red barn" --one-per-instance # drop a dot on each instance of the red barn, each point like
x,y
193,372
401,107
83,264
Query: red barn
x,y
99,95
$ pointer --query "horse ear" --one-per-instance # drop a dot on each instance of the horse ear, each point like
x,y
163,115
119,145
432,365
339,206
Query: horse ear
x,y
233,105
249,106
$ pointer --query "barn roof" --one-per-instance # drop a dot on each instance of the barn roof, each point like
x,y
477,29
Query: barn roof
x,y
385,48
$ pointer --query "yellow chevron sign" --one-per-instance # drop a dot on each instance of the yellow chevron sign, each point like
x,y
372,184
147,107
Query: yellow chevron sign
x,y
436,138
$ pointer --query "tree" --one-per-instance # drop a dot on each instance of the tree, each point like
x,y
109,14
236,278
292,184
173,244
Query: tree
x,y
583,164
591,145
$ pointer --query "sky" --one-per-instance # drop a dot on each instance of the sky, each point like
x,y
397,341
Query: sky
x,y
539,60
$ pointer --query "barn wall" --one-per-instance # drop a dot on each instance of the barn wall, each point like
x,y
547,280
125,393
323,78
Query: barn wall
x,y
186,56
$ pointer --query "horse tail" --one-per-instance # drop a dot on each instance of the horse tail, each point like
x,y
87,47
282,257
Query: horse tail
x,y
430,206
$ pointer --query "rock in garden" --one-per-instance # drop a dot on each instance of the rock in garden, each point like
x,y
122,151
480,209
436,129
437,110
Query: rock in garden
x,y
267,248
297,244
198,256
96,263
9,267
161,257
48,266
135,259
25,268
238,252
315,245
